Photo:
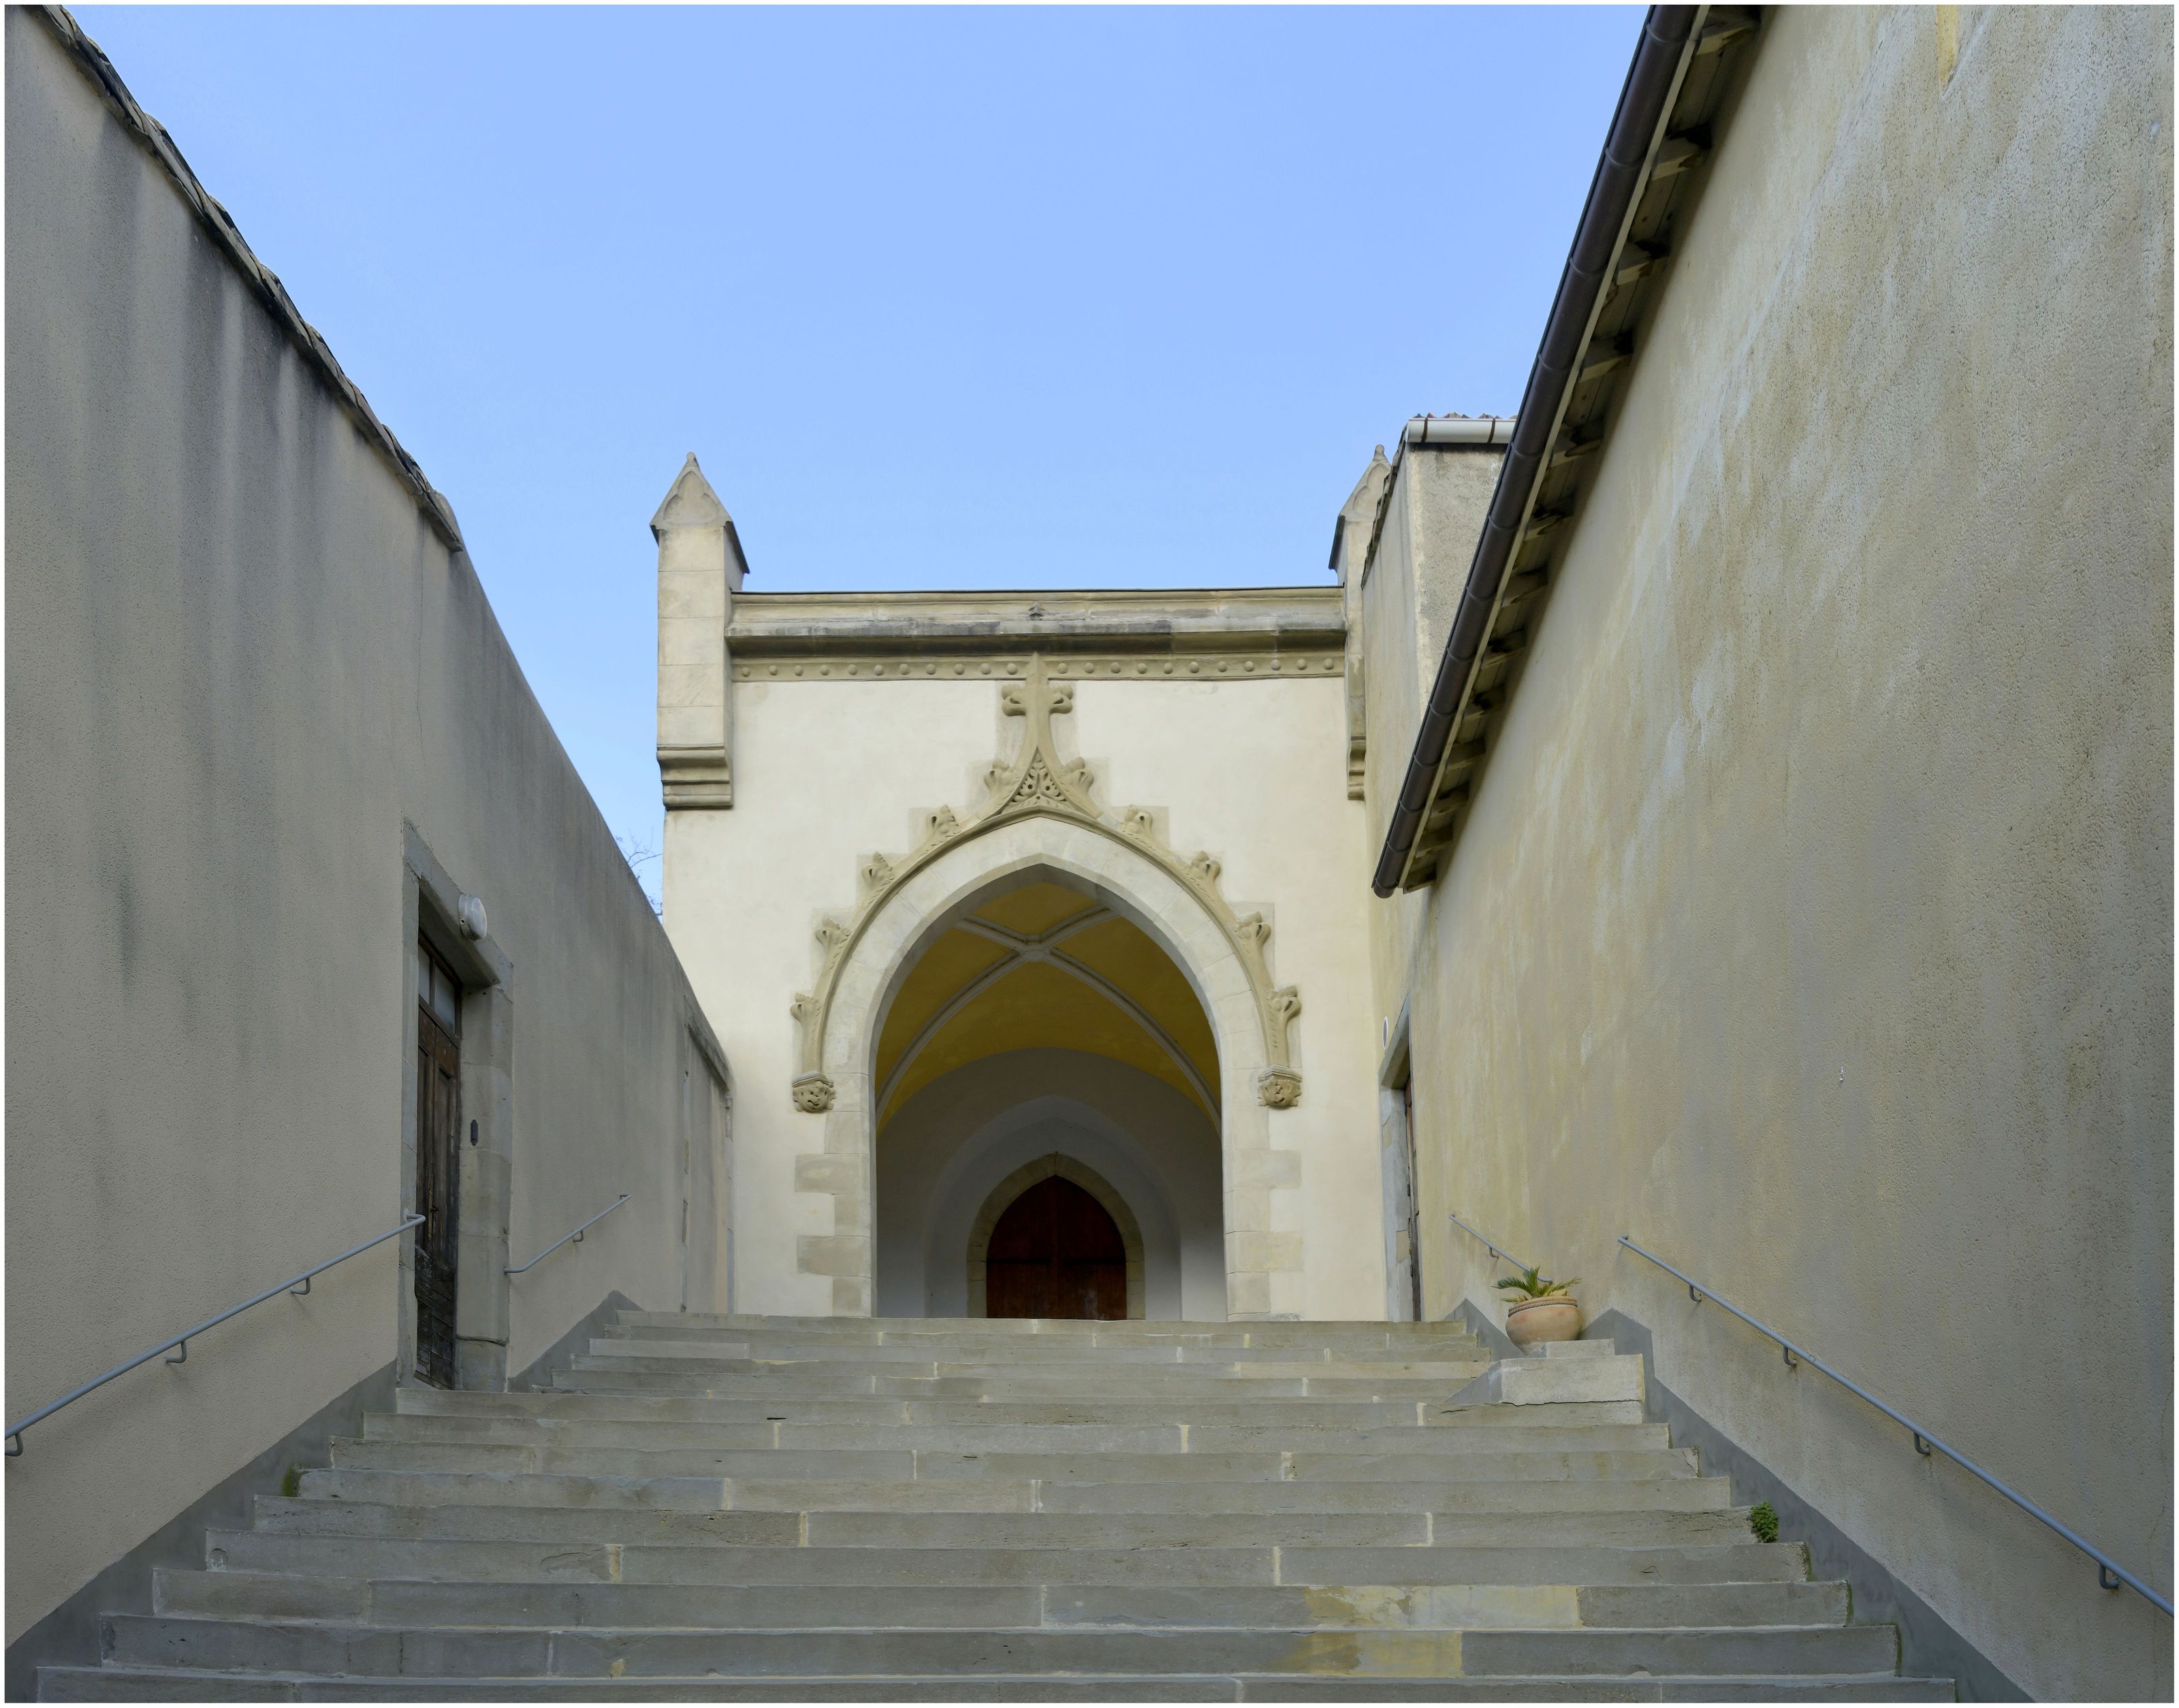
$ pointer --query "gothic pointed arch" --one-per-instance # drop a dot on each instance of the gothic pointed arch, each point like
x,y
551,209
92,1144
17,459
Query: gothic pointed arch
x,y
1038,815
1037,781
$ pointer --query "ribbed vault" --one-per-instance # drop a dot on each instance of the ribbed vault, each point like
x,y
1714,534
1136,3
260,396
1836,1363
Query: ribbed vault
x,y
1044,965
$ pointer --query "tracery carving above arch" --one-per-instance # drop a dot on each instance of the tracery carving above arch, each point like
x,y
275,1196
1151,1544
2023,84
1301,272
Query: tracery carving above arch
x,y
1036,780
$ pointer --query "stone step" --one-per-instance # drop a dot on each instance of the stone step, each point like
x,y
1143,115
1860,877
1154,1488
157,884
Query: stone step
x,y
434,1402
1521,1381
1025,1354
1637,1516
1102,1333
1000,1495
1579,1561
666,1385
693,1494
324,1647
668,1605
1322,1414
1397,1428
592,1371
1087,1363
143,1684
1372,1460
1279,1431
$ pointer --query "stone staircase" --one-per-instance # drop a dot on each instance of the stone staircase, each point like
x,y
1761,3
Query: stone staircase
x,y
767,1509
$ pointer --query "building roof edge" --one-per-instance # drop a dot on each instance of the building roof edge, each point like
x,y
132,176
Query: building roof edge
x,y
264,283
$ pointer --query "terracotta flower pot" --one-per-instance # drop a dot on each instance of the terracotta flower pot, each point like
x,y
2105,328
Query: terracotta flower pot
x,y
1530,1321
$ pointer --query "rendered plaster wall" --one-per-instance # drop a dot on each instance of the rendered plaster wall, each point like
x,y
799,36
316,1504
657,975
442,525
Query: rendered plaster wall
x,y
1813,922
951,1144
1252,771
237,663
1433,517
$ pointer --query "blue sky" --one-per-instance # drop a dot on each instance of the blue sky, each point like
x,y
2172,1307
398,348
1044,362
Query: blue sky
x,y
947,297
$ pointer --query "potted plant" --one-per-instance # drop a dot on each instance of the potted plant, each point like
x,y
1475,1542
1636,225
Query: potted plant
x,y
1539,1309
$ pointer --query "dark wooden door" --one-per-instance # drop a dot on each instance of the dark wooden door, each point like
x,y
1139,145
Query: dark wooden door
x,y
1055,1252
438,1164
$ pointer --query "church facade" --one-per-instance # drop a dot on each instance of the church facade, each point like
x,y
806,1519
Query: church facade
x,y
1072,886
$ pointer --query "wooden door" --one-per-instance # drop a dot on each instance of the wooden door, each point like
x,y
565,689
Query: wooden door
x,y
1055,1252
438,1163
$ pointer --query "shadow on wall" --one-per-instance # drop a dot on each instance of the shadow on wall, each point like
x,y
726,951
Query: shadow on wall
x,y
940,1159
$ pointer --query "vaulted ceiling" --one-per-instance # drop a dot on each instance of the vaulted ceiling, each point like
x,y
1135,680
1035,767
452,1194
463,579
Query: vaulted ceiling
x,y
1042,967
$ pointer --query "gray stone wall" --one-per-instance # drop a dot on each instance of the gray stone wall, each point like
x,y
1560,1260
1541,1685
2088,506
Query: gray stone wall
x,y
248,676
1813,924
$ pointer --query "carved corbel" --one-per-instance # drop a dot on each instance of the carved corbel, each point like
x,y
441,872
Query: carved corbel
x,y
1278,1087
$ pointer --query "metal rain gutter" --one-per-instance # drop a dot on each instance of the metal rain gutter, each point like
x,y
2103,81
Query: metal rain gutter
x,y
1660,60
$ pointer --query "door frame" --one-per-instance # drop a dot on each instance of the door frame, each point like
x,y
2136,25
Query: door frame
x,y
1402,1185
431,911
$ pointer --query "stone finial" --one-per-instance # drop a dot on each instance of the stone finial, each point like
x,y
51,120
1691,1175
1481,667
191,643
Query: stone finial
x,y
690,502
701,568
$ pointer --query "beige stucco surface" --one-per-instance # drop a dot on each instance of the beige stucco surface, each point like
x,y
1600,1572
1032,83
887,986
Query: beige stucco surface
x,y
1408,574
1813,925
1251,771
238,662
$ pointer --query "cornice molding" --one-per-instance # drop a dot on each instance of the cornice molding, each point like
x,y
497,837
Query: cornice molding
x,y
1230,666
1125,626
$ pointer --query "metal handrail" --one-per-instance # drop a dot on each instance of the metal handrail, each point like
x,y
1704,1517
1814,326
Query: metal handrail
x,y
1495,1250
576,1235
2110,1574
299,1285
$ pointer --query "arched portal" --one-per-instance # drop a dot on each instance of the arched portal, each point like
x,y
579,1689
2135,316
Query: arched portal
x,y
1040,823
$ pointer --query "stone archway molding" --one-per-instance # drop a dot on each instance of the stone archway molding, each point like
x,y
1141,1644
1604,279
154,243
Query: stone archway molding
x,y
1038,816
1037,781
1030,1174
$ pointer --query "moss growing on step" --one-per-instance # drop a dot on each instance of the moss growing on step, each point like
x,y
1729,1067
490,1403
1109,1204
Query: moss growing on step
x,y
291,1482
1763,1520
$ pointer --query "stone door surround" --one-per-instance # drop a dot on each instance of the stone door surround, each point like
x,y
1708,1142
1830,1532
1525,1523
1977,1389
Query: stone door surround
x,y
1039,816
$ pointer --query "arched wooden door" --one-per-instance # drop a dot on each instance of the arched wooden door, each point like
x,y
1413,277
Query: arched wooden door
x,y
1055,1252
